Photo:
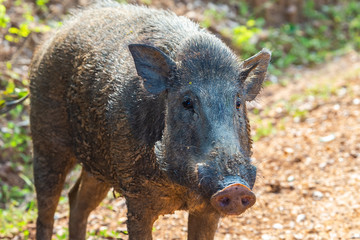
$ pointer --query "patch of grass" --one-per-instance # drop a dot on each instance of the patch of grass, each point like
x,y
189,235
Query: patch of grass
x,y
15,135
105,233
329,31
323,91
300,114
296,98
212,17
244,37
262,127
14,220
20,30
64,234
4,18
14,194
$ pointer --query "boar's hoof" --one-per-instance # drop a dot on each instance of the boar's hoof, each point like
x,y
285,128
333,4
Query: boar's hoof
x,y
233,200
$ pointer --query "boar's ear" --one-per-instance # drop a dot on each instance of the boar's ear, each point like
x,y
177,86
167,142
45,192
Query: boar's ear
x,y
153,66
253,73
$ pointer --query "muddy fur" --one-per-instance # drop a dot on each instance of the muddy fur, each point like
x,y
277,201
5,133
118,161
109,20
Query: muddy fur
x,y
89,105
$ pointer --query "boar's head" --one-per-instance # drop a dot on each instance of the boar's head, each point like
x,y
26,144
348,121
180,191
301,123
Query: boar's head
x,y
206,144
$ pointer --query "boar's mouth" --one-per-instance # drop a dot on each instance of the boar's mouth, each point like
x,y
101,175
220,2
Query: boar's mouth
x,y
226,182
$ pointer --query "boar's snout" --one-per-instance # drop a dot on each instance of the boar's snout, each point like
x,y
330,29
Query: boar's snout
x,y
232,195
233,200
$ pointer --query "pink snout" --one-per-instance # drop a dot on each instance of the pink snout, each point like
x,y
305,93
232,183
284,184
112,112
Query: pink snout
x,y
233,200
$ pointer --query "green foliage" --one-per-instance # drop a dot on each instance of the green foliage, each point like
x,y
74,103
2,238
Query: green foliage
x,y
27,24
4,19
42,5
17,206
14,220
104,233
321,91
211,17
245,36
15,136
263,128
64,234
14,195
331,30
14,133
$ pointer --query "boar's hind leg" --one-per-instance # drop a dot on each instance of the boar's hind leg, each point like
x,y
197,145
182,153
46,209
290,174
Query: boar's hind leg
x,y
84,197
49,175
202,225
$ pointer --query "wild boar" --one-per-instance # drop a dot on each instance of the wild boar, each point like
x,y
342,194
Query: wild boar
x,y
151,105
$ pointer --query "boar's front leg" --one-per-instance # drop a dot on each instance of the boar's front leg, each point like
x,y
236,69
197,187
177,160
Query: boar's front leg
x,y
84,197
202,225
141,216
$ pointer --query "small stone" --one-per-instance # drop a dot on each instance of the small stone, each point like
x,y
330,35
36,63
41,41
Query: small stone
x,y
333,235
300,218
297,119
227,236
290,178
328,138
298,236
291,225
356,101
355,236
278,226
342,92
319,227
103,228
322,165
289,150
336,107
311,98
308,160
273,79
317,195
279,110
266,237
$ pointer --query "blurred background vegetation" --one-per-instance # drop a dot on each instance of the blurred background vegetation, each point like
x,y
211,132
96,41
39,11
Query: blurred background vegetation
x,y
300,33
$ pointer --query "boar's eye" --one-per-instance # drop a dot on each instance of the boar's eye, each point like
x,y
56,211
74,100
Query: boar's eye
x,y
238,104
188,103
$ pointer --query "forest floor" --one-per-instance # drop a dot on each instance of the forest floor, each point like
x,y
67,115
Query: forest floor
x,y
308,159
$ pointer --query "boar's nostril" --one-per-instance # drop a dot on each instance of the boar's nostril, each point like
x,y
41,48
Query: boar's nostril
x,y
225,201
245,201
233,200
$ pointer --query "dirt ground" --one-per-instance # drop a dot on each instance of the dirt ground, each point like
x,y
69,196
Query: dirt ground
x,y
308,162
